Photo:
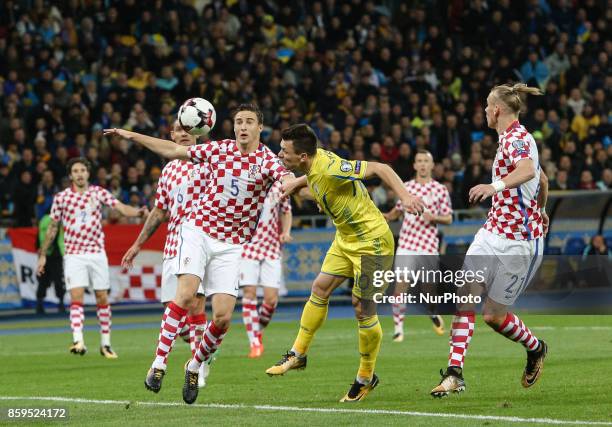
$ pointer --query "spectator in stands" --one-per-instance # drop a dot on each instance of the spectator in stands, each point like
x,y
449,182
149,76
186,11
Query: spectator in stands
x,y
386,86
597,246
606,180
534,71
560,181
24,200
45,191
596,264
586,180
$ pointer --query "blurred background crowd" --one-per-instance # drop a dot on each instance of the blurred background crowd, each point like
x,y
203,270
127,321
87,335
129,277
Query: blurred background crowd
x,y
375,79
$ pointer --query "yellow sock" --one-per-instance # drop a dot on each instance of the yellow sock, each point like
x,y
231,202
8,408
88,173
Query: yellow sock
x,y
313,316
370,337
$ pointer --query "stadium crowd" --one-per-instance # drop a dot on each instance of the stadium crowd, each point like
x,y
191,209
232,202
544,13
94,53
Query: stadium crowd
x,y
375,79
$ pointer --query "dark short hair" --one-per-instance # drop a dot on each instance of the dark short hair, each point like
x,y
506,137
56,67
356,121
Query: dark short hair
x,y
75,160
303,137
248,107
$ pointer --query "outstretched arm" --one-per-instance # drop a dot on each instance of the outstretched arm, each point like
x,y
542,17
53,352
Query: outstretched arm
x,y
291,184
42,253
438,219
286,220
411,203
128,210
524,172
164,148
150,226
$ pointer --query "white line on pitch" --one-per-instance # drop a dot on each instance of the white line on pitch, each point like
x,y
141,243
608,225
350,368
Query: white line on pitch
x,y
320,410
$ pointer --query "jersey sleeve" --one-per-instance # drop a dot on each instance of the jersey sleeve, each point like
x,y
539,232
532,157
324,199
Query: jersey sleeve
x,y
161,195
56,208
107,198
519,149
285,205
273,167
347,170
444,207
200,153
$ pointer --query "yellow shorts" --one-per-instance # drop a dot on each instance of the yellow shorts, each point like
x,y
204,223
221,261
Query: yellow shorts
x,y
344,258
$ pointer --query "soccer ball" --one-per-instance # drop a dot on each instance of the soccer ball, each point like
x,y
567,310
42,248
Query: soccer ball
x,y
197,116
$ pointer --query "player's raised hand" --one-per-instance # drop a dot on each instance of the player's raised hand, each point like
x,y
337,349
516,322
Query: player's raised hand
x,y
413,205
128,259
481,192
116,131
40,265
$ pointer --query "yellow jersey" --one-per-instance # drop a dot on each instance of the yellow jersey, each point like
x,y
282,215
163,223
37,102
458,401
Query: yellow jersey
x,y
337,186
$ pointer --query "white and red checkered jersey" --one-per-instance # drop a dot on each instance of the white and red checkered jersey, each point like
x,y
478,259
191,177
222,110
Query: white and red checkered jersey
x,y
266,241
236,188
417,234
81,216
514,212
181,182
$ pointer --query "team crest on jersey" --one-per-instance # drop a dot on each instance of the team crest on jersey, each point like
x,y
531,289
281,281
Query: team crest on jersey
x,y
254,170
520,145
345,166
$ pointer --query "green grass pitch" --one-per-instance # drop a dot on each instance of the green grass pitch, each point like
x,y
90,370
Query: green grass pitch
x,y
573,386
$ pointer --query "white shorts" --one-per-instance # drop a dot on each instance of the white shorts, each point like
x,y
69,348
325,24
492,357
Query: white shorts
x,y
85,270
213,261
267,273
170,281
507,265
414,260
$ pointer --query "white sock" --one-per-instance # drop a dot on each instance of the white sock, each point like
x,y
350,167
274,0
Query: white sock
x,y
193,365
105,340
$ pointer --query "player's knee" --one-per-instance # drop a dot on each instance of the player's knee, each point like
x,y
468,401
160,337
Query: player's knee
x,y
102,297
357,307
197,305
271,300
321,290
184,300
249,292
222,319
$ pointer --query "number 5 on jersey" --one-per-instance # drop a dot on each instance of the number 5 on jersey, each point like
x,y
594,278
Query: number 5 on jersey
x,y
234,185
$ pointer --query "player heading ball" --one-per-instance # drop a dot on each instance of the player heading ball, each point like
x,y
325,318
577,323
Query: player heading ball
x,y
361,230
